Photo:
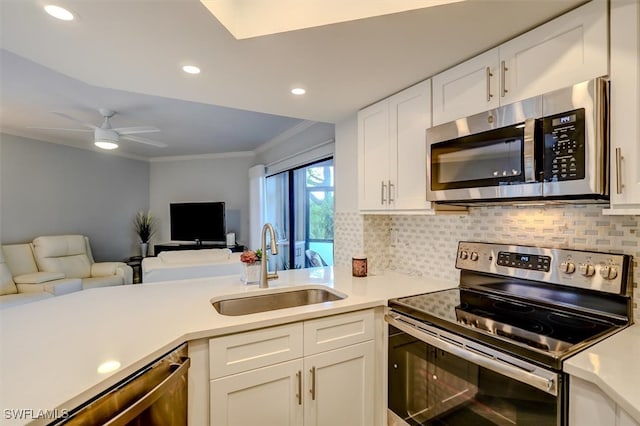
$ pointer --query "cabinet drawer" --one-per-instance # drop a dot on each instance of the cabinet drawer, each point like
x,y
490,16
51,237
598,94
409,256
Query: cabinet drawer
x,y
246,351
334,332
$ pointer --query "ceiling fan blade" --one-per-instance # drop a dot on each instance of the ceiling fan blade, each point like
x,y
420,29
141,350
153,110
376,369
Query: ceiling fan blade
x,y
61,128
90,126
134,130
145,141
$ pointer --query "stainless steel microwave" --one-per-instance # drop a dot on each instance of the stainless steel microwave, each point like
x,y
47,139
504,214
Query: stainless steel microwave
x,y
550,147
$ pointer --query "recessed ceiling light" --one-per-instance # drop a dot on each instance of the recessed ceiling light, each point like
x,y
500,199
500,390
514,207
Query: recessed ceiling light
x,y
298,91
106,145
58,12
191,69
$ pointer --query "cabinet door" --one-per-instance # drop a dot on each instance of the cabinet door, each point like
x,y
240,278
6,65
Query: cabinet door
x,y
588,405
625,107
567,50
266,396
410,115
466,89
339,387
373,156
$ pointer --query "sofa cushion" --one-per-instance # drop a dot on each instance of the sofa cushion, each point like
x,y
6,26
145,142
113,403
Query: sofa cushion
x,y
7,286
38,277
60,245
63,253
19,258
195,256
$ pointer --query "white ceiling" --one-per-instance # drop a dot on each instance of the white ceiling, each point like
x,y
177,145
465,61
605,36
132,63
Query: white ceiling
x,y
126,55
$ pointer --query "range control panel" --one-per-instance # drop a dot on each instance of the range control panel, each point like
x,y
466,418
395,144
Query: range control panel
x,y
576,268
535,262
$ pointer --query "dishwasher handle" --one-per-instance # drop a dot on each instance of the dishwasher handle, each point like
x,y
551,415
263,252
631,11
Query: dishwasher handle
x,y
152,396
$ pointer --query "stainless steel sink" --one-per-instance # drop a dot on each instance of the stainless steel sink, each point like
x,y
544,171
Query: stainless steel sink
x,y
251,304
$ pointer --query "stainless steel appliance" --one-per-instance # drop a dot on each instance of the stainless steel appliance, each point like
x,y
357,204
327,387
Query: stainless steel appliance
x,y
156,395
491,351
550,147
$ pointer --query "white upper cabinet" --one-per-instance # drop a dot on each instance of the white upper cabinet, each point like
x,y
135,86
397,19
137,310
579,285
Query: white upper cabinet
x,y
625,108
373,156
392,151
567,50
466,89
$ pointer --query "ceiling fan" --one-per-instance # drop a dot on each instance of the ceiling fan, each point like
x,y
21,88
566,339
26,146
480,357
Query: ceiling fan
x,y
107,137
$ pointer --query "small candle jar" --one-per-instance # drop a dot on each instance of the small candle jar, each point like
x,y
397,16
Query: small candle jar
x,y
359,266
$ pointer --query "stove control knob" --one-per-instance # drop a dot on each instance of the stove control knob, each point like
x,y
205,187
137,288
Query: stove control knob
x,y
464,255
587,269
568,267
474,256
608,272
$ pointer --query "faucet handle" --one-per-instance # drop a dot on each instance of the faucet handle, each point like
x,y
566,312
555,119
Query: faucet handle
x,y
273,276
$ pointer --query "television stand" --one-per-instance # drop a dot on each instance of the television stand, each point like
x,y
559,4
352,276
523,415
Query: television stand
x,y
157,248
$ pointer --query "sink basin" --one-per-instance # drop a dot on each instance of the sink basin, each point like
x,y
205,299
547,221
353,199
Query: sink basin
x,y
243,305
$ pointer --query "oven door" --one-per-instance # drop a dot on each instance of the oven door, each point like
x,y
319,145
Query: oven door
x,y
436,378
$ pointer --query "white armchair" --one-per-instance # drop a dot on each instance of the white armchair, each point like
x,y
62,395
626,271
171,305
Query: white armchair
x,y
71,255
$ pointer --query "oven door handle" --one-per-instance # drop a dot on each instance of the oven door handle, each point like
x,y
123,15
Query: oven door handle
x,y
535,378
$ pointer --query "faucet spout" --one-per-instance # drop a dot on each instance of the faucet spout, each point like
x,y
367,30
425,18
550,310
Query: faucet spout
x,y
273,245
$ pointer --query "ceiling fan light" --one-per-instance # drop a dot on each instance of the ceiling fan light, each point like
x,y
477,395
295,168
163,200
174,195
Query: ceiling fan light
x,y
105,145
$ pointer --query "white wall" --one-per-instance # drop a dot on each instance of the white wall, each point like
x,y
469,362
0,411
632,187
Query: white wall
x,y
215,178
49,189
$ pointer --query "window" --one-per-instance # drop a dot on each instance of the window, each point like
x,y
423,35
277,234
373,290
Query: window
x,y
302,200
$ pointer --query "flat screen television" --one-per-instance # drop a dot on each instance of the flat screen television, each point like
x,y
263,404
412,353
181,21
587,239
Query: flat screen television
x,y
198,222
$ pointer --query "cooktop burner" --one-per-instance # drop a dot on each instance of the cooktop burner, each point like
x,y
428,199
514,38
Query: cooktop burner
x,y
543,315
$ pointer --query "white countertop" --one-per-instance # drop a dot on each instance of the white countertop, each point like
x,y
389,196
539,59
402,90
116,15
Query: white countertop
x,y
51,349
614,366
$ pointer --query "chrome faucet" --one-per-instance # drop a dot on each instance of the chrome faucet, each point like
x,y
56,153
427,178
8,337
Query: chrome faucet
x,y
265,276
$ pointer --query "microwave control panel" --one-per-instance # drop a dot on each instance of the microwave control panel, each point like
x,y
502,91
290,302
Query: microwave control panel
x,y
564,146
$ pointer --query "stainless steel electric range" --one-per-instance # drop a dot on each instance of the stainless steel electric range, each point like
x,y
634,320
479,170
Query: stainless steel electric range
x,y
491,351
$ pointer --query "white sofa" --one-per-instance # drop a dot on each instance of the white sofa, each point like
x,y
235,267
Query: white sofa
x,y
184,264
27,284
71,255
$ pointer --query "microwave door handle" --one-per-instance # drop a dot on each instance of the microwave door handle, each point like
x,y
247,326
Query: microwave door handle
x,y
529,150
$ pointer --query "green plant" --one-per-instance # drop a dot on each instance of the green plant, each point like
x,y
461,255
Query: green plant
x,y
145,226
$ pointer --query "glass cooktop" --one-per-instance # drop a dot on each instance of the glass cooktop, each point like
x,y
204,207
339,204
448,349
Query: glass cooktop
x,y
551,331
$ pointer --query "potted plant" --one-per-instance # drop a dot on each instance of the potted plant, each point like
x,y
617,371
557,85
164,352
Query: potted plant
x,y
145,226
252,262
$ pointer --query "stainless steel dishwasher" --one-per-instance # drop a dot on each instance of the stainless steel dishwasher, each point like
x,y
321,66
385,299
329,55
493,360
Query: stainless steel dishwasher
x,y
155,395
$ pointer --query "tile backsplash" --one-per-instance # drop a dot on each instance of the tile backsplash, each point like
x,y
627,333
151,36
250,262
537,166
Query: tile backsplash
x,y
426,245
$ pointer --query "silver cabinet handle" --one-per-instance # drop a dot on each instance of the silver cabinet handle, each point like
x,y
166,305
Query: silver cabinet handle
x,y
299,393
619,170
489,75
503,78
313,383
382,188
390,197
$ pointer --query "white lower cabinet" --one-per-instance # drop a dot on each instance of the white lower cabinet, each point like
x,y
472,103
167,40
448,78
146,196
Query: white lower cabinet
x,y
590,406
265,396
339,387
312,373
